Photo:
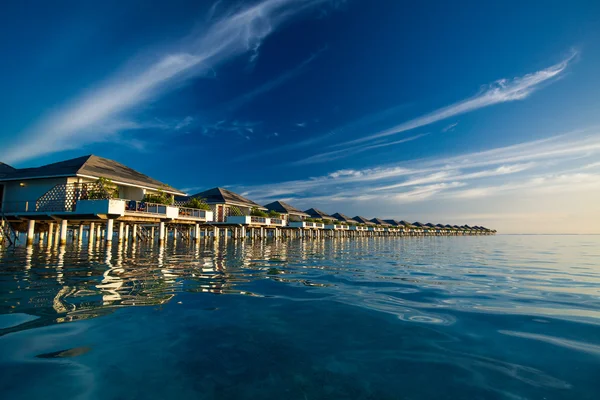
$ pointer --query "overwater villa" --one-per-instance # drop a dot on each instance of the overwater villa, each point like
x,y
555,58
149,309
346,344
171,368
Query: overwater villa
x,y
224,203
286,211
393,222
344,218
89,194
318,214
381,222
363,220
86,190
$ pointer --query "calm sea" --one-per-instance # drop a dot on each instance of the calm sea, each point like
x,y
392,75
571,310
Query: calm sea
x,y
495,317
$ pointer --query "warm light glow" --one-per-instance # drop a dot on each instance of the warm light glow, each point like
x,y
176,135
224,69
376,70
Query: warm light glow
x,y
22,184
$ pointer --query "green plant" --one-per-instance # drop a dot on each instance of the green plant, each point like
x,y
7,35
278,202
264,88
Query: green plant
x,y
309,220
103,189
255,212
274,214
159,198
197,203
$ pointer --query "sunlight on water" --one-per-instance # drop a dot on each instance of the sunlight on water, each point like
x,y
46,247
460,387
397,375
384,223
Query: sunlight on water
x,y
466,317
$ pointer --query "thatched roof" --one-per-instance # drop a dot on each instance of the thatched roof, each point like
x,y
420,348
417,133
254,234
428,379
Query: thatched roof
x,y
223,196
284,208
418,224
89,166
379,222
363,220
406,223
392,222
314,213
343,218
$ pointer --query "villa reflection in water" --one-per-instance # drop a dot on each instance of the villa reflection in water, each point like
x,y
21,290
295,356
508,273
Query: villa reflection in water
x,y
70,283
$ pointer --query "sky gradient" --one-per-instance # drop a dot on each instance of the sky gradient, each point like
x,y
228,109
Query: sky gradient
x,y
484,114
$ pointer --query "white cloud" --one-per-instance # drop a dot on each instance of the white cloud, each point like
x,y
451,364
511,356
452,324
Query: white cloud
x,y
551,167
79,122
501,91
270,85
450,127
183,123
336,154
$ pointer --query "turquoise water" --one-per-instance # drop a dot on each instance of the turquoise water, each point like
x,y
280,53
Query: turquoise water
x,y
496,317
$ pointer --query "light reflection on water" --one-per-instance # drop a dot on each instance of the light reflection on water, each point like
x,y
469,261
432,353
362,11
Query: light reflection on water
x,y
470,307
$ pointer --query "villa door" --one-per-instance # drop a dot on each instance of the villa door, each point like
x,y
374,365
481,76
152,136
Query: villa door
x,y
220,213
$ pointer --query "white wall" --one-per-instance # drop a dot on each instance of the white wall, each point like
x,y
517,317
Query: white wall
x,y
131,193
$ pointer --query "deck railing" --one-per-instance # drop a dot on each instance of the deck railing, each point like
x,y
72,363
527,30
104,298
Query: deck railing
x,y
191,212
133,206
258,220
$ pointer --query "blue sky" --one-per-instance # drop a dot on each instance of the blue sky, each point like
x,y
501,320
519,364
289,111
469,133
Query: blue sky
x,y
458,113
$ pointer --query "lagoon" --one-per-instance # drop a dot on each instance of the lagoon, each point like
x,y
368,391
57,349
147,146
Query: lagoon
x,y
489,317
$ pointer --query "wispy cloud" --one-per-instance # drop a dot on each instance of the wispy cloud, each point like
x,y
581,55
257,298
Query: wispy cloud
x,y
501,91
183,123
301,124
244,129
336,154
228,36
321,139
270,85
450,127
522,166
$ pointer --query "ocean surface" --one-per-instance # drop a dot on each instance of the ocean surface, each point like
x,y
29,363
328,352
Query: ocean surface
x,y
489,317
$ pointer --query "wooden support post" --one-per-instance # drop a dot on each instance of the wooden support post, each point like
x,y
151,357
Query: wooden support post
x,y
63,232
161,232
109,230
30,231
120,234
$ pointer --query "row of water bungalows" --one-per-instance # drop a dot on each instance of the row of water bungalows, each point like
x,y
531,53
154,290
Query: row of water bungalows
x,y
101,199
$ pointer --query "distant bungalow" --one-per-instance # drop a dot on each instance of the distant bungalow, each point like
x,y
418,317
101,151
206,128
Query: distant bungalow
x,y
287,212
363,220
378,221
344,218
225,203
318,214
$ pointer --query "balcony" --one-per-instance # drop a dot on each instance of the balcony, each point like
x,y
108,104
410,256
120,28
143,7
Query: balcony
x,y
336,227
306,225
194,214
376,229
133,207
358,228
252,220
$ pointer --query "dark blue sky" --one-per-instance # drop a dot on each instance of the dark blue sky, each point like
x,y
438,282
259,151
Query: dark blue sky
x,y
363,107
